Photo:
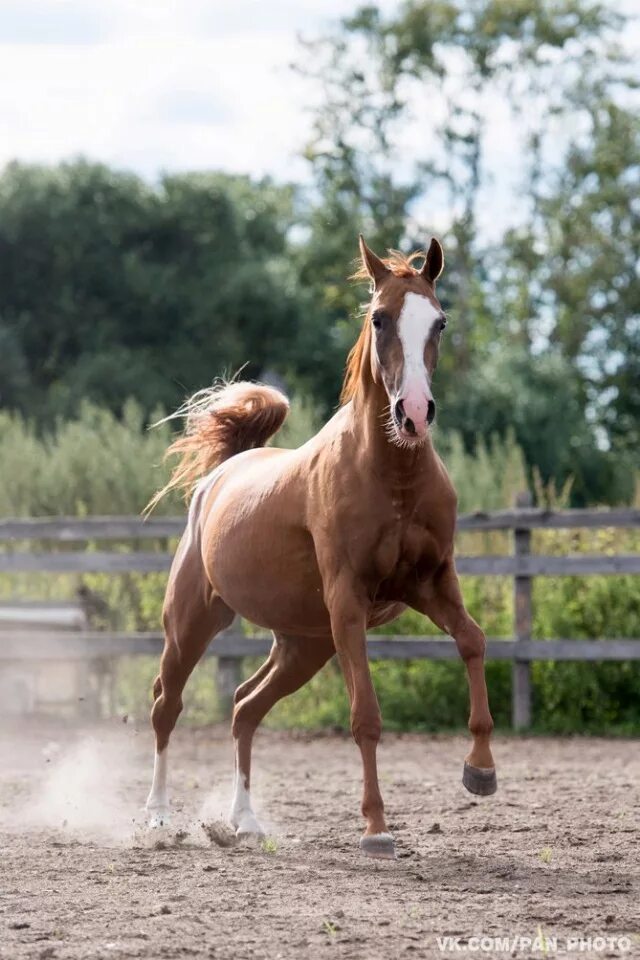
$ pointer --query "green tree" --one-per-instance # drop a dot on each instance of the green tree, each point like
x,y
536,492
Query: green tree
x,y
110,288
574,269
542,403
441,68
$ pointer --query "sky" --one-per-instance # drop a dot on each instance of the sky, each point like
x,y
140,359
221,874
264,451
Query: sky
x,y
176,85
157,84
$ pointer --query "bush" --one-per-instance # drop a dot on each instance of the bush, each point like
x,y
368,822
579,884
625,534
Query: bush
x,y
95,464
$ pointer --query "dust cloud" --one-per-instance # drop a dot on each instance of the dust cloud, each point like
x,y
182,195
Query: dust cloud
x,y
81,788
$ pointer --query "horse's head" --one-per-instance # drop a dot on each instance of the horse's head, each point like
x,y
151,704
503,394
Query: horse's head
x,y
406,323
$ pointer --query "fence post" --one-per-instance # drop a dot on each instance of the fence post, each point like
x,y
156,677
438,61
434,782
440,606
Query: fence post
x,y
522,606
228,676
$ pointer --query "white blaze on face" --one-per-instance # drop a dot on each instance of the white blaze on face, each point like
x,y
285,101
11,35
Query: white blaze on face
x,y
415,323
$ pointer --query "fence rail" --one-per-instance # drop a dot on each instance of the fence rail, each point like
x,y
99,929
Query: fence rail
x,y
62,534
533,565
52,645
79,529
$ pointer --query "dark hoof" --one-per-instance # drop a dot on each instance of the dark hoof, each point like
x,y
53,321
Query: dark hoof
x,y
483,782
379,845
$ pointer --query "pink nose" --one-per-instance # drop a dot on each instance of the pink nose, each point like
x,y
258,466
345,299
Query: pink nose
x,y
415,411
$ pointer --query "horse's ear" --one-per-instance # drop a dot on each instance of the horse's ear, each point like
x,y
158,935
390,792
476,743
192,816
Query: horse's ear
x,y
434,262
372,264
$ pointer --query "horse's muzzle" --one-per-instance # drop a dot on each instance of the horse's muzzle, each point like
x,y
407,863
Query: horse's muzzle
x,y
410,427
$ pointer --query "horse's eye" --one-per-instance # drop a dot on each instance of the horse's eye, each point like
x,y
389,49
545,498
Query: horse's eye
x,y
377,318
442,325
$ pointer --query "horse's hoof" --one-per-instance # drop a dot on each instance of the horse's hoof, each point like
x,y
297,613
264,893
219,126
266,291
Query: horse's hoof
x,y
249,829
480,780
250,836
378,845
158,819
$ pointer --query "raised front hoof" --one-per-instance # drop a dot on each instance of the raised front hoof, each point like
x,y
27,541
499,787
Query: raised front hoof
x,y
378,845
481,781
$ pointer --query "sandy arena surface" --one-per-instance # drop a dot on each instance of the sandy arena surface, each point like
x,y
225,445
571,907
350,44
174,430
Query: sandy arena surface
x,y
556,852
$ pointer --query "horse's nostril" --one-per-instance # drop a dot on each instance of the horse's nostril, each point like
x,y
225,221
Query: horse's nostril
x,y
398,412
431,411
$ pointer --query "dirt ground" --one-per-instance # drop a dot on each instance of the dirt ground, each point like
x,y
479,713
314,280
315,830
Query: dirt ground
x,y
556,853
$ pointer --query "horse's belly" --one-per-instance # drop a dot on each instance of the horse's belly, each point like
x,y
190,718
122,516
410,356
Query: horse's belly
x,y
267,572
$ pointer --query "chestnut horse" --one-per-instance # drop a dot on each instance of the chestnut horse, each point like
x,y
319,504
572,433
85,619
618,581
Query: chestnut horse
x,y
320,543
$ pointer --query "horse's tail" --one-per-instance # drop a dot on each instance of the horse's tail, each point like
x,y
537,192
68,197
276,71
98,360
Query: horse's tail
x,y
219,422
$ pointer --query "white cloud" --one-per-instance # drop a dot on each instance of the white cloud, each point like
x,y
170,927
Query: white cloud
x,y
156,85
52,22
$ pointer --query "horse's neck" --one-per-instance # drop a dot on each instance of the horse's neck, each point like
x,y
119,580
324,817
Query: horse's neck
x,y
399,466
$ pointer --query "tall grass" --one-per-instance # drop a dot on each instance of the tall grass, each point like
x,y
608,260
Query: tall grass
x,y
95,464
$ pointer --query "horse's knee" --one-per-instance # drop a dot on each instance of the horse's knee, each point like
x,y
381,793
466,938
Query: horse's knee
x,y
157,688
164,715
240,694
366,724
245,717
256,696
166,709
243,690
470,641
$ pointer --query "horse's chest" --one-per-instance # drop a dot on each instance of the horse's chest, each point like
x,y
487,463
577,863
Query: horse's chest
x,y
404,546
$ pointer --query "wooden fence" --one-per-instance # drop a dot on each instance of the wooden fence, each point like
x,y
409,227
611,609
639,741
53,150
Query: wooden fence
x,y
231,647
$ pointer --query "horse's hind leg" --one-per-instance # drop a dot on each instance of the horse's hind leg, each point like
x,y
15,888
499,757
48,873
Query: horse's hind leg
x,y
291,664
247,686
192,616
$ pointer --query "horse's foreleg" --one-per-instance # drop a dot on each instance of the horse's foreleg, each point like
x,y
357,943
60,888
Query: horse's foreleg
x,y
192,616
290,665
348,622
441,600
